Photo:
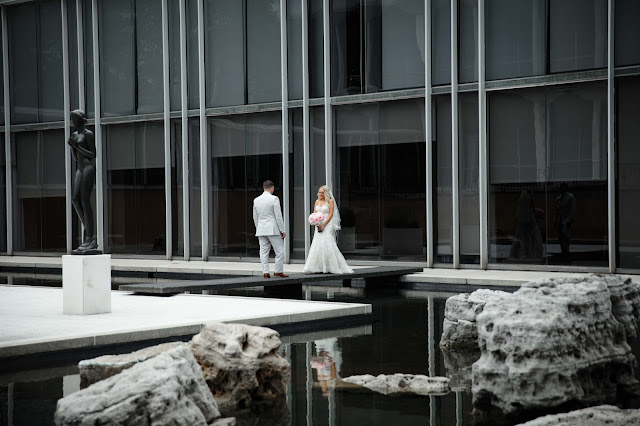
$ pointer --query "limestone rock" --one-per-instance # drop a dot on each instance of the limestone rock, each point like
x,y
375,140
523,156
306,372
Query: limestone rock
x,y
227,421
460,312
100,368
552,343
168,389
241,366
401,383
593,416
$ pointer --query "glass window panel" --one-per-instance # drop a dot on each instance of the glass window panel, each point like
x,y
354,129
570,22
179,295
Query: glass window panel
x,y
627,32
23,55
346,47
50,78
193,85
135,188
317,149
294,48
628,172
468,174
402,179
224,52
517,166
149,56
441,42
263,142
577,129
72,17
177,220
402,44
577,34
195,197
316,49
468,41
3,195
358,180
372,39
88,58
516,38
301,209
229,208
1,86
117,57
443,209
39,210
263,51
175,90
548,191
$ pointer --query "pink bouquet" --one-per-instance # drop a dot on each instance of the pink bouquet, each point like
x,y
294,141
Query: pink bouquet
x,y
316,219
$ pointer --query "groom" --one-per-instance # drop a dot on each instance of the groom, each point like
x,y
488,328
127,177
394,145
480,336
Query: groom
x,y
267,216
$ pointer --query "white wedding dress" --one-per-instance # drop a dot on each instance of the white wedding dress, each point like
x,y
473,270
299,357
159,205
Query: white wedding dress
x,y
324,255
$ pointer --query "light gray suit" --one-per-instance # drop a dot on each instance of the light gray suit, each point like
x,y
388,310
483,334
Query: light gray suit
x,y
267,217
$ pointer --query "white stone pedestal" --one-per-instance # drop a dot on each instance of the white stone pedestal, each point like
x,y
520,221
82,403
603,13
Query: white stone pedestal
x,y
86,284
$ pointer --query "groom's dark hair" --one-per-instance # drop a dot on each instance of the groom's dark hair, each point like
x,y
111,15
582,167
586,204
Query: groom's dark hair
x,y
267,184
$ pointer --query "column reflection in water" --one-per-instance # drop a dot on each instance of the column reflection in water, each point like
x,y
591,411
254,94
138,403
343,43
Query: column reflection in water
x,y
442,208
135,188
628,172
547,176
39,194
245,151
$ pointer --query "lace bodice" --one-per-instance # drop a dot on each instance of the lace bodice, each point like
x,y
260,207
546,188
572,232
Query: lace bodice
x,y
323,208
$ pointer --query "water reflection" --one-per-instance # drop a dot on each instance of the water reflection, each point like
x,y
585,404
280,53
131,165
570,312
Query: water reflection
x,y
402,339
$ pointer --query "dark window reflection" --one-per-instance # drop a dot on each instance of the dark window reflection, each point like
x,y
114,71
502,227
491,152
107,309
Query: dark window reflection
x,y
175,97
300,208
135,188
441,42
468,173
263,51
3,200
547,175
35,59
177,209
577,35
376,45
628,171
39,198
468,40
245,151
627,32
516,38
195,195
381,178
442,178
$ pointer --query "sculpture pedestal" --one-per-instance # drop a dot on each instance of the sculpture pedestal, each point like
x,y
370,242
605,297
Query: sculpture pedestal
x,y
86,284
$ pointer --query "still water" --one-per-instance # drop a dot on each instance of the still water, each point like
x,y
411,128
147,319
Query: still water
x,y
403,338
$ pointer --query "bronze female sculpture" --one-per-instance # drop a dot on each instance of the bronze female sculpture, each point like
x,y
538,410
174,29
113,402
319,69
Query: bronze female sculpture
x,y
83,149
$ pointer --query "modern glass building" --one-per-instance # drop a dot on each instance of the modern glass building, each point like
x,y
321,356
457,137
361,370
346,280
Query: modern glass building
x,y
455,133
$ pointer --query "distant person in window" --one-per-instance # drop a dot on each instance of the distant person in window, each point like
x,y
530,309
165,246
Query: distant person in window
x,y
528,242
83,150
565,212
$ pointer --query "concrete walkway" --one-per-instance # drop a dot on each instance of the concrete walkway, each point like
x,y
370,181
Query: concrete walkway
x,y
31,319
434,275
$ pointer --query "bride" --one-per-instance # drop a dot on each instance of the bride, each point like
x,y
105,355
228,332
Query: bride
x,y
324,255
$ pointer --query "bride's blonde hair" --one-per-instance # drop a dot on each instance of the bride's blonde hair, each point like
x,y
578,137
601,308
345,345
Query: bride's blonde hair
x,y
327,193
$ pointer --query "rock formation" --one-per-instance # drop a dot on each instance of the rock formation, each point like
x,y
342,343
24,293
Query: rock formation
x,y
459,330
241,366
100,368
168,389
401,383
553,343
594,416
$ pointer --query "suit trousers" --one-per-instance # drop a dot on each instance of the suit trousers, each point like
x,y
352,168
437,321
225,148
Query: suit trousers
x,y
266,242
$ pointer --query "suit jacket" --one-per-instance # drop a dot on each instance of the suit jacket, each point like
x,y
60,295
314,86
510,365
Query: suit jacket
x,y
267,215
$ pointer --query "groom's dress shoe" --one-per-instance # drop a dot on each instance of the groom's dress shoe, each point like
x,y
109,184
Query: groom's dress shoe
x,y
267,275
280,274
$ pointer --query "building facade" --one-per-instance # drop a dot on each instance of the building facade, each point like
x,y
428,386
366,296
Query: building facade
x,y
455,133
